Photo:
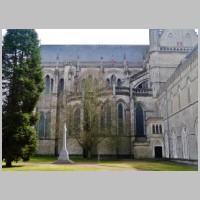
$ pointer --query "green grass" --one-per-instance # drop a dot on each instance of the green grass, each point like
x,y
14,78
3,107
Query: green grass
x,y
45,164
51,167
153,166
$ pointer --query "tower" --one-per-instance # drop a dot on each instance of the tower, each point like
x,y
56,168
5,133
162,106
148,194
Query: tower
x,y
167,49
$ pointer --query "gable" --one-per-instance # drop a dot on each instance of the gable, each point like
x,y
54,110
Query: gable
x,y
178,38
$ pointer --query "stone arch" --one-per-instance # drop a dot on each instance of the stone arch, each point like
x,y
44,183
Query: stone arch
x,y
158,143
193,141
113,79
108,82
142,104
140,81
119,82
142,84
123,102
194,152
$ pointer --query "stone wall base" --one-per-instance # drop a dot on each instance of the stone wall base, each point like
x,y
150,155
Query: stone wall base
x,y
141,150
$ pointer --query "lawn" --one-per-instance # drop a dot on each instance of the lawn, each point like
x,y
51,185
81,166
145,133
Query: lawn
x,y
80,164
153,166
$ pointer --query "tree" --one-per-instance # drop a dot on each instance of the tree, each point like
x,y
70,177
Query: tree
x,y
90,120
22,85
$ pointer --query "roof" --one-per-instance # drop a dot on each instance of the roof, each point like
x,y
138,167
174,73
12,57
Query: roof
x,y
134,53
191,52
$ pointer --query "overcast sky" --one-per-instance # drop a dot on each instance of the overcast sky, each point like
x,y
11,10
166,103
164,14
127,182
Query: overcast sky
x,y
92,36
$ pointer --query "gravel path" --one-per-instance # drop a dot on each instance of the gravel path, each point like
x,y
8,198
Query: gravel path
x,y
93,165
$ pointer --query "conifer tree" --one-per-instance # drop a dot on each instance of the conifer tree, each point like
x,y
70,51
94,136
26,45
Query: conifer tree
x,y
21,86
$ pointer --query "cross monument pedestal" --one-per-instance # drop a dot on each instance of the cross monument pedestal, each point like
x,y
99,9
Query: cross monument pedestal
x,y
64,155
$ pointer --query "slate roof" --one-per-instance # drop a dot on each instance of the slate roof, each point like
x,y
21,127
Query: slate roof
x,y
191,52
92,53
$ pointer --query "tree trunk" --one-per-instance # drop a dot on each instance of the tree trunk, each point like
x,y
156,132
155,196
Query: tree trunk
x,y
85,152
8,163
89,154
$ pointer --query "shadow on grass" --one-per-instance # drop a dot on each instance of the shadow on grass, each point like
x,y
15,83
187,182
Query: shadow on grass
x,y
14,166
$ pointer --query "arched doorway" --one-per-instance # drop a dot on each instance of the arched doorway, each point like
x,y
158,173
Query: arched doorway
x,y
158,152
158,149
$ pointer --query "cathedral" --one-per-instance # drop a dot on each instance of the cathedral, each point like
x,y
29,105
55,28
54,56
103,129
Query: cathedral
x,y
153,88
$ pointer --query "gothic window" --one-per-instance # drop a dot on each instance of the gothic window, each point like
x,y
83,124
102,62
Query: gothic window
x,y
174,145
61,86
187,35
185,143
90,77
160,127
76,87
119,82
47,84
83,83
170,35
160,32
153,129
44,125
108,82
48,125
113,79
108,116
102,120
120,118
95,82
41,126
143,85
105,118
139,120
77,121
51,85
157,131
